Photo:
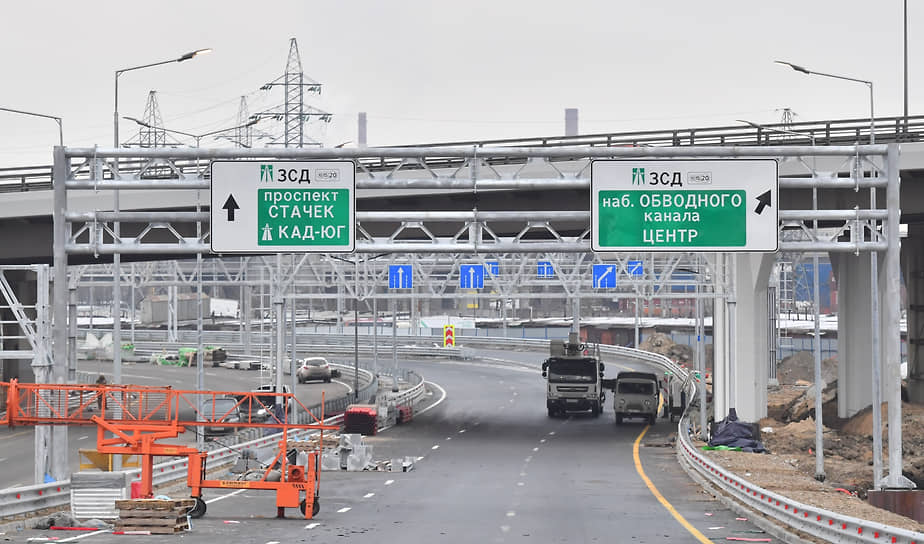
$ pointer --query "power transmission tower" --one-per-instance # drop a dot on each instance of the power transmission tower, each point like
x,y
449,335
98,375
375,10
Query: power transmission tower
x,y
294,113
787,118
151,133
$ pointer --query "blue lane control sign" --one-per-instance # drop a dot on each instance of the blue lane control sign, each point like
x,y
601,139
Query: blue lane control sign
x,y
604,276
544,269
635,268
471,276
400,276
493,267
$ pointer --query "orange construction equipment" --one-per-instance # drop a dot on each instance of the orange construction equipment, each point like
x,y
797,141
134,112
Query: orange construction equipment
x,y
139,417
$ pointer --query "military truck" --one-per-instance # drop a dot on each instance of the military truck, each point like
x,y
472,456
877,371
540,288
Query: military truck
x,y
574,377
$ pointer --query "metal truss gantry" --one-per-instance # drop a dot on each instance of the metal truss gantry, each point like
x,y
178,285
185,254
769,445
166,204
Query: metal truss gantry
x,y
832,199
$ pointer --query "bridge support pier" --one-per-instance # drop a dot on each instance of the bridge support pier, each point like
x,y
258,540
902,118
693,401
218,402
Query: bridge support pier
x,y
854,332
751,357
913,270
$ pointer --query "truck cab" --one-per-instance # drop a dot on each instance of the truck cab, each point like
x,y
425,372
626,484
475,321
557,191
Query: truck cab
x,y
573,377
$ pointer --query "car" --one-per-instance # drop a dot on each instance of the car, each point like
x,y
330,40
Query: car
x,y
313,368
224,409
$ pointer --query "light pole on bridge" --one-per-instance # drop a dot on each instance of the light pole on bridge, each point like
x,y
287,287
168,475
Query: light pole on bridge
x,y
872,128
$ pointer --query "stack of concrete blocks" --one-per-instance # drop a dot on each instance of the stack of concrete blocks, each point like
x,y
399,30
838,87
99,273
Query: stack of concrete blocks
x,y
401,465
351,454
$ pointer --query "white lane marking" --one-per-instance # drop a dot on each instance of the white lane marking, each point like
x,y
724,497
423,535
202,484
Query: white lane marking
x,y
436,447
552,433
520,484
2,459
211,374
542,441
344,510
311,525
511,513
83,438
273,542
515,393
522,475
75,538
448,438
348,386
462,431
528,459
368,495
222,497
389,482
505,528
511,400
535,449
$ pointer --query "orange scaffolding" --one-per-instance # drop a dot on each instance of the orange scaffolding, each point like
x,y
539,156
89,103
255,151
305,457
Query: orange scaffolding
x,y
139,417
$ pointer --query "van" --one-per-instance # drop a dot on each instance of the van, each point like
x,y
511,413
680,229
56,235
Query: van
x,y
636,394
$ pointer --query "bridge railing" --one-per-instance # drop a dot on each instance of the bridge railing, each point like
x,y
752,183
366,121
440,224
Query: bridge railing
x,y
831,132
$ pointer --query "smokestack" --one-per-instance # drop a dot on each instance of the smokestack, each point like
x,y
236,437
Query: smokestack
x,y
361,130
571,122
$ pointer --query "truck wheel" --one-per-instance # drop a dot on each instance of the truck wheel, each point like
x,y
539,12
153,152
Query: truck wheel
x,y
551,412
652,419
618,419
595,408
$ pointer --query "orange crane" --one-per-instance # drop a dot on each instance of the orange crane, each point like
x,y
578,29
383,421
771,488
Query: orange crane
x,y
139,417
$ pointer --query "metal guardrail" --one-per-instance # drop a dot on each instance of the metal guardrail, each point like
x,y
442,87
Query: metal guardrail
x,y
808,519
831,132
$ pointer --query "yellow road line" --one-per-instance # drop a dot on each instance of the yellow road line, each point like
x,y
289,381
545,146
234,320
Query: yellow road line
x,y
654,491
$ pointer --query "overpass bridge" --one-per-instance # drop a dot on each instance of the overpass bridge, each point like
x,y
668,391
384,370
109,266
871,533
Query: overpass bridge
x,y
842,199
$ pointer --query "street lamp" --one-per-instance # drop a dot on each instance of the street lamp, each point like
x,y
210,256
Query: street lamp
x,y
115,115
196,136
57,120
796,67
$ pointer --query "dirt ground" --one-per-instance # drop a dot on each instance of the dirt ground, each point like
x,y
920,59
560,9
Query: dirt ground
x,y
789,435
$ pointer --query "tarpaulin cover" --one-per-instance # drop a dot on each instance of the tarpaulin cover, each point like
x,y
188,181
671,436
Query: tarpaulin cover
x,y
735,434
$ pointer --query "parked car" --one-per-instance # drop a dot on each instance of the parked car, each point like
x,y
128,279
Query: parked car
x,y
313,368
224,409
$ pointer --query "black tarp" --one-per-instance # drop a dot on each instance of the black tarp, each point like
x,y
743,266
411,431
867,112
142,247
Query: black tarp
x,y
736,434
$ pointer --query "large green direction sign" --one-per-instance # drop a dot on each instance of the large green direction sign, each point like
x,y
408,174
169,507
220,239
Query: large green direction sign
x,y
283,206
714,205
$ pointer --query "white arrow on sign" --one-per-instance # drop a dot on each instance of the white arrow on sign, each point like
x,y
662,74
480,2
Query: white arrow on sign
x,y
603,275
400,277
471,278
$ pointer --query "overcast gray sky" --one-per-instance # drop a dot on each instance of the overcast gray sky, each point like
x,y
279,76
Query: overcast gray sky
x,y
430,71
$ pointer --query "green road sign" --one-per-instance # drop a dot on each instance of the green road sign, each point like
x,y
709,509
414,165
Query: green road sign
x,y
283,206
715,205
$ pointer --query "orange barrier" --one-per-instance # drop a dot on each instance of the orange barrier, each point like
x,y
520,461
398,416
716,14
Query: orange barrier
x,y
139,417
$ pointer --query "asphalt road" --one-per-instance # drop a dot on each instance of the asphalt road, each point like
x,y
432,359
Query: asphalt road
x,y
17,445
493,468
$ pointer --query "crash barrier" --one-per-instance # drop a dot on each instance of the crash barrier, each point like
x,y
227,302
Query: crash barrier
x,y
800,517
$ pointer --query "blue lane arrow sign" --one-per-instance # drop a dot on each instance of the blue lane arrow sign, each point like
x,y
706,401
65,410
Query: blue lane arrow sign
x,y
635,268
400,276
471,276
493,267
544,269
604,276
